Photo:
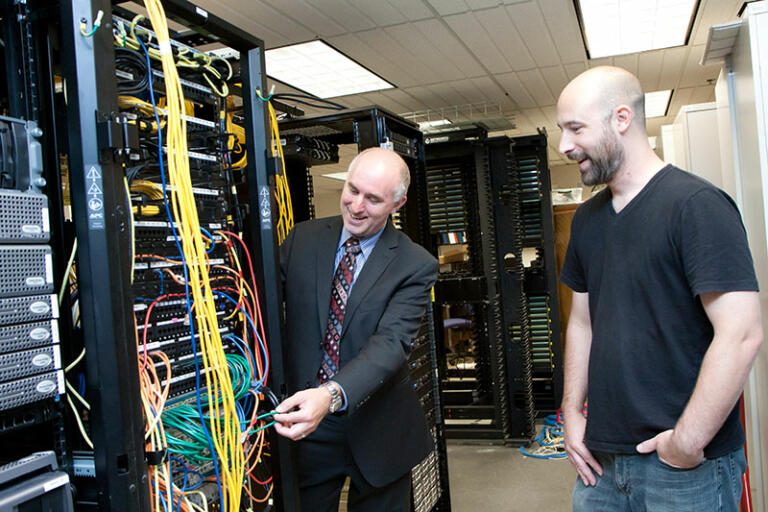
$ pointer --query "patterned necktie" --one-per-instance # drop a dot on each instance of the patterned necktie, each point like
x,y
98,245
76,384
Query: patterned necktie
x,y
342,280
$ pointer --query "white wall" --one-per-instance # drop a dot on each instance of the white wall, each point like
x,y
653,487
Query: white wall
x,y
749,107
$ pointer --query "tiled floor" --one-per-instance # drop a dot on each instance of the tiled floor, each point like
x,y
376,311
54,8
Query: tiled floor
x,y
499,478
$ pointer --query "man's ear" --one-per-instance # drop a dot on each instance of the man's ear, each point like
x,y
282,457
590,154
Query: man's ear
x,y
623,118
399,204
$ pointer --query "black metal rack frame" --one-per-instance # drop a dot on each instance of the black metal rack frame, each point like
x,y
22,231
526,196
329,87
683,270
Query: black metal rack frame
x,y
101,227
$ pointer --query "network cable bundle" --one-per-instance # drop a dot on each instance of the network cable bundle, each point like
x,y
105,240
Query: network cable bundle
x,y
202,356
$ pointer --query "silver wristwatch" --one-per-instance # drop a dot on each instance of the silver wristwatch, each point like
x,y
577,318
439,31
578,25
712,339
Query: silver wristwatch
x,y
336,399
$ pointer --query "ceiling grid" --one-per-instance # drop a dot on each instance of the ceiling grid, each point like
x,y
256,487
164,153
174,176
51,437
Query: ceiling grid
x,y
441,53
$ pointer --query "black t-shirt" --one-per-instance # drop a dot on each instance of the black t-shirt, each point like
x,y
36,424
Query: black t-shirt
x,y
644,268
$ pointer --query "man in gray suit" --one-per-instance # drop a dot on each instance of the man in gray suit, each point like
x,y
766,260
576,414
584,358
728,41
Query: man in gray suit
x,y
356,289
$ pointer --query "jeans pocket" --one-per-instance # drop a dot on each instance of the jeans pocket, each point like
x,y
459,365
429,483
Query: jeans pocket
x,y
673,468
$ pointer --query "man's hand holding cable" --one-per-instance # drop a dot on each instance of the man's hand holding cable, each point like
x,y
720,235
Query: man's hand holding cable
x,y
673,450
574,426
312,404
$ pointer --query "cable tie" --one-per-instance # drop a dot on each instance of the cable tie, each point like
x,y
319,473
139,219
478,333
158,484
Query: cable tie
x,y
164,48
155,458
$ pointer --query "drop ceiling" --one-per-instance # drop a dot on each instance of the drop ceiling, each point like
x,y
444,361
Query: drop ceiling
x,y
513,55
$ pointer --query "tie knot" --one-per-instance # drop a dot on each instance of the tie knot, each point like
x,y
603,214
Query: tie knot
x,y
352,245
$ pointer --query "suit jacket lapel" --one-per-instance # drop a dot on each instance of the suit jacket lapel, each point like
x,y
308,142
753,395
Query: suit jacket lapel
x,y
326,254
374,267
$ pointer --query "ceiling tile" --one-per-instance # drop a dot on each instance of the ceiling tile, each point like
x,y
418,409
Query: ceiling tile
x,y
382,13
649,69
409,103
312,19
345,14
450,46
536,86
502,31
672,67
680,97
471,32
703,94
489,89
447,7
424,96
694,73
712,12
413,11
447,95
551,114
605,61
556,79
246,20
628,62
575,69
516,90
536,117
384,101
356,48
530,23
560,17
410,37
415,71
469,90
482,4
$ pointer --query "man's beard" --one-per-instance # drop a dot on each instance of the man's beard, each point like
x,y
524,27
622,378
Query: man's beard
x,y
606,160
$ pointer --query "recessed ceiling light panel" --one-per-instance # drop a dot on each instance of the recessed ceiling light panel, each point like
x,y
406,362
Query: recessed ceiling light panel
x,y
656,103
319,69
618,27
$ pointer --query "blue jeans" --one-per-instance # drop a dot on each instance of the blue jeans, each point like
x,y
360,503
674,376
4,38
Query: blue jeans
x,y
640,483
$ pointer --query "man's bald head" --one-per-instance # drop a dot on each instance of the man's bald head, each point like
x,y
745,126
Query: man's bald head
x,y
605,88
388,161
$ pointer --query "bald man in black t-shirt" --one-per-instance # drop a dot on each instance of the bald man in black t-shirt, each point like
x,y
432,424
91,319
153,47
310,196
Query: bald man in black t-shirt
x,y
665,318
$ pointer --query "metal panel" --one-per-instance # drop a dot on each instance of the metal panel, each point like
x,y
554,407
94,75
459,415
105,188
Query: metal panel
x,y
117,427
264,241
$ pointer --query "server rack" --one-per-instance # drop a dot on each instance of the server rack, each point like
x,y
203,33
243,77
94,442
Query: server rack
x,y
477,197
32,377
62,94
540,322
375,127
459,166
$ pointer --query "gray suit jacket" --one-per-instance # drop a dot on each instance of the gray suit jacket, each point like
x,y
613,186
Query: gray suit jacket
x,y
387,430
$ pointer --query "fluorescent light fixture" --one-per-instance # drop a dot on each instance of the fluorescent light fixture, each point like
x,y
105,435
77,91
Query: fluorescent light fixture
x,y
618,27
319,69
656,103
341,176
